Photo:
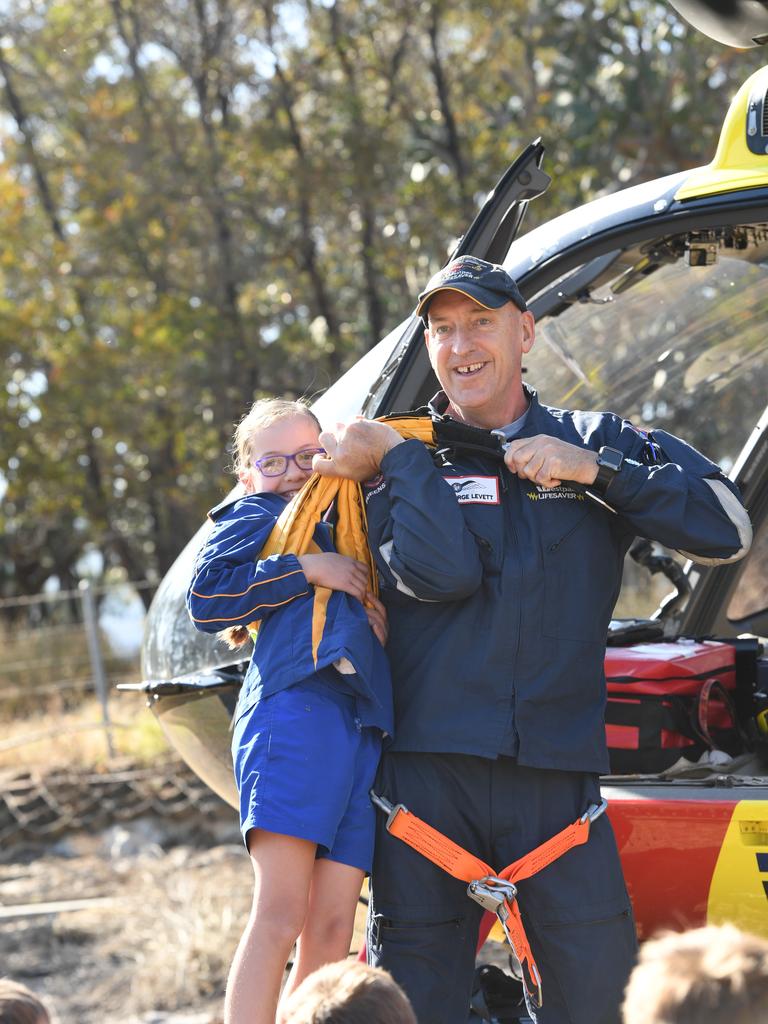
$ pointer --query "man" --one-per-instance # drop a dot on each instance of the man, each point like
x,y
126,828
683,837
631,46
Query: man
x,y
500,573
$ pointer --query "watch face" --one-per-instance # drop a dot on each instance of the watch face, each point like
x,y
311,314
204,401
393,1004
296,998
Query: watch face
x,y
610,457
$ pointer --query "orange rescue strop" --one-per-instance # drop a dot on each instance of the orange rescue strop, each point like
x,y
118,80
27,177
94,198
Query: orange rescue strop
x,y
496,892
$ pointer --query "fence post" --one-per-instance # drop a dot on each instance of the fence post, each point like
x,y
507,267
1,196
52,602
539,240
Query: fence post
x,y
97,662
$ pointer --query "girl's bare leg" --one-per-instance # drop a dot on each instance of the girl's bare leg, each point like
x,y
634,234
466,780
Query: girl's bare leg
x,y
330,920
283,870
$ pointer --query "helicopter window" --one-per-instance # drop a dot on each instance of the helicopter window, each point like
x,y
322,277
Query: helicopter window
x,y
669,341
682,349
751,596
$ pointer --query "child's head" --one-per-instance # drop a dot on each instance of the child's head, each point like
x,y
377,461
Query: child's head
x,y
273,447
712,975
19,1005
348,992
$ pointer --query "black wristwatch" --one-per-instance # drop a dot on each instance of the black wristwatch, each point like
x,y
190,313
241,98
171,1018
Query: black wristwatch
x,y
609,462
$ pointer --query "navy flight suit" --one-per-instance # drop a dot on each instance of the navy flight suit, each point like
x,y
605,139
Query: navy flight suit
x,y
499,594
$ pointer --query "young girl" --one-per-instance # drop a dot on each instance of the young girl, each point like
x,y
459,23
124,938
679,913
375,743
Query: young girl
x,y
306,737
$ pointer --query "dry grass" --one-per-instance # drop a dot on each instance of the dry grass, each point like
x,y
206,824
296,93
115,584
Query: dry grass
x,y
164,944
73,737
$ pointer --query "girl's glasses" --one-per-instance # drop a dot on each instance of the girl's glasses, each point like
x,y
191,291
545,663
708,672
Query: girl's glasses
x,y
276,465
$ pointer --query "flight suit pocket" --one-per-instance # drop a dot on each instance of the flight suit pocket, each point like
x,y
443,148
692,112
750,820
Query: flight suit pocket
x,y
486,525
580,577
586,958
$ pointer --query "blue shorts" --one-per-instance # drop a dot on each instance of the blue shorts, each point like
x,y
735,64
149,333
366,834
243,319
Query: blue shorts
x,y
304,765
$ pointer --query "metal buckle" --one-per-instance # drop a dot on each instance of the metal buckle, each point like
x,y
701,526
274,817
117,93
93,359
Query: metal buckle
x,y
502,438
594,811
389,809
492,893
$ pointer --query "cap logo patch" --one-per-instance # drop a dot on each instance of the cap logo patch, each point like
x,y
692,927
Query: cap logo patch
x,y
475,490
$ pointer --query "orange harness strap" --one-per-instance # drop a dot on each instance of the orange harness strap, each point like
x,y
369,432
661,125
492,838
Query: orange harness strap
x,y
494,892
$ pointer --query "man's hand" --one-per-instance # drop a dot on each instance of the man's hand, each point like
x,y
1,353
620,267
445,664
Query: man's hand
x,y
377,617
548,461
337,572
355,450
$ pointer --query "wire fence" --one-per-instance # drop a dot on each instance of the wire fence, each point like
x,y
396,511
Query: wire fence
x,y
61,647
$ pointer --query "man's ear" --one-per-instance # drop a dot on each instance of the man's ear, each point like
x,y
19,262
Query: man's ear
x,y
528,325
426,342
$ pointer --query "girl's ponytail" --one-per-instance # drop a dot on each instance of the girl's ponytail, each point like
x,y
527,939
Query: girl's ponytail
x,y
234,636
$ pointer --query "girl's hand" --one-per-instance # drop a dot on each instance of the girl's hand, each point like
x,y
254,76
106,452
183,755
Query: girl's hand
x,y
337,572
377,618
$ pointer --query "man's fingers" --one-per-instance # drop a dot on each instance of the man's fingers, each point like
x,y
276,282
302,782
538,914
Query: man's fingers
x,y
328,440
324,466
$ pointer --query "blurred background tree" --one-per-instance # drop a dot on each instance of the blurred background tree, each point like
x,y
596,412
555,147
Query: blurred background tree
x,y
209,200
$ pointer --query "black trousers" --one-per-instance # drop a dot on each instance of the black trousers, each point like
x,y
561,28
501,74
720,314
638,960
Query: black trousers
x,y
422,926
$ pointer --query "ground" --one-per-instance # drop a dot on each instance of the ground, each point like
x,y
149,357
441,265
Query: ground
x,y
123,892
153,946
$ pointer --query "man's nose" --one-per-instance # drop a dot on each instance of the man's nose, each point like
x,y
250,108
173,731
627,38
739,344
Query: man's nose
x,y
461,340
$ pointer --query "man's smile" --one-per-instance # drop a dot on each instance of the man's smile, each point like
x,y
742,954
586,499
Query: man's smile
x,y
469,368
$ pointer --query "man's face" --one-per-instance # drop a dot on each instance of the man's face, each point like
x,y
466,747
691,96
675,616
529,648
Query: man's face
x,y
476,354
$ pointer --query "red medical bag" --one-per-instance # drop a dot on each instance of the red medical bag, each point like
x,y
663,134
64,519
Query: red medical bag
x,y
668,700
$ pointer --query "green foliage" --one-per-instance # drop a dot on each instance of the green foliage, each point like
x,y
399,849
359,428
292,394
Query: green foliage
x,y
205,202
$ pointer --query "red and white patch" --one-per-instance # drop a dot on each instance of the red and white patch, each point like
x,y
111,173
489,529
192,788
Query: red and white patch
x,y
475,490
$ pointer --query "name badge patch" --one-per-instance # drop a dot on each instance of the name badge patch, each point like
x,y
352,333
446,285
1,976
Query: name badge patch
x,y
475,490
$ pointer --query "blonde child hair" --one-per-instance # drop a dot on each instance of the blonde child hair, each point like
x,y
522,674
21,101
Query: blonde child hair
x,y
717,975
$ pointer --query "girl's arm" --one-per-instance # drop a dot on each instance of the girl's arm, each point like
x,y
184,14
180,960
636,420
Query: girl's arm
x,y
232,586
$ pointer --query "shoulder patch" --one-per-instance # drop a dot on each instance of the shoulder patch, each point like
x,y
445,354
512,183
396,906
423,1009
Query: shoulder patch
x,y
475,490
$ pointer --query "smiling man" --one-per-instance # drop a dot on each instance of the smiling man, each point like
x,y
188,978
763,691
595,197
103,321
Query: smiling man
x,y
500,573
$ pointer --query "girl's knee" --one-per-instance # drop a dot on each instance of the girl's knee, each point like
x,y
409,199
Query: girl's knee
x,y
280,916
333,932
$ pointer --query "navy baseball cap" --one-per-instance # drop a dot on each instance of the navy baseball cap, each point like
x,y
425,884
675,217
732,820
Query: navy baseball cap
x,y
486,283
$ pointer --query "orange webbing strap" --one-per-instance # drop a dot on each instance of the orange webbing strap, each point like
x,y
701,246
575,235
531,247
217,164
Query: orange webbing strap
x,y
435,846
542,856
492,891
512,923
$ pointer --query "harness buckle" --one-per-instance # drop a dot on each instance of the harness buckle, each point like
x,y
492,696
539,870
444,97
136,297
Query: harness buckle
x,y
594,811
391,810
492,893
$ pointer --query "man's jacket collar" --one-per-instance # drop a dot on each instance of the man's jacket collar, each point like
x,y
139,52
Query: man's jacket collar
x,y
451,433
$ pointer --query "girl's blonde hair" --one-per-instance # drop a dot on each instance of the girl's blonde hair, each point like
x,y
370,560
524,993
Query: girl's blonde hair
x,y
262,414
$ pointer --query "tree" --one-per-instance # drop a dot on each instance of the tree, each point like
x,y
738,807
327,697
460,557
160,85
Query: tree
x,y
210,200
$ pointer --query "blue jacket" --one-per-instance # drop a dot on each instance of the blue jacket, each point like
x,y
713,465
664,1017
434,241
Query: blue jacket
x,y
231,586
499,592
